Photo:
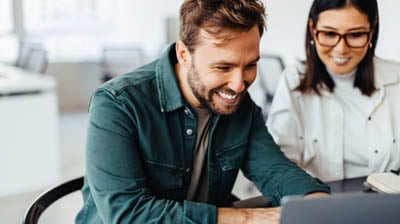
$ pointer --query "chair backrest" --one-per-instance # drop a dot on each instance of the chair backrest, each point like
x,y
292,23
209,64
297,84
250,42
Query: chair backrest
x,y
117,60
37,60
24,50
43,201
33,57
270,68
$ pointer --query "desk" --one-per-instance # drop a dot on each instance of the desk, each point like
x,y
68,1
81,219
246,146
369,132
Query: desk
x,y
348,185
340,186
29,142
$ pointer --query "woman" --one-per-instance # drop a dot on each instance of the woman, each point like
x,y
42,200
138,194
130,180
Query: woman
x,y
338,115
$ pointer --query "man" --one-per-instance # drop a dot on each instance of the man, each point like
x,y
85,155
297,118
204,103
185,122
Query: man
x,y
165,142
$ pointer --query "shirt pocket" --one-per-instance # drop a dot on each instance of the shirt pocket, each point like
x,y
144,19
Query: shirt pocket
x,y
230,160
163,177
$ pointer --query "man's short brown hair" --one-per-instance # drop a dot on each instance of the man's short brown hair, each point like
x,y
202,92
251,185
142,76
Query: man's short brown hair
x,y
215,16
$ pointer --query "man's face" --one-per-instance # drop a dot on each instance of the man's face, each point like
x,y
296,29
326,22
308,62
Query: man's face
x,y
220,72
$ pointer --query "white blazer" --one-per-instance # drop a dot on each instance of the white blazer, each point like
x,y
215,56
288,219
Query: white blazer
x,y
309,128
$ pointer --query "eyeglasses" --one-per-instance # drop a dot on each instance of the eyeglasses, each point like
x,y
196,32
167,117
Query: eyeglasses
x,y
331,39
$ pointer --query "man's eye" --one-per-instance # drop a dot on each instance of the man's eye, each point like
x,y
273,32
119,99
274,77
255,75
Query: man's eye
x,y
223,68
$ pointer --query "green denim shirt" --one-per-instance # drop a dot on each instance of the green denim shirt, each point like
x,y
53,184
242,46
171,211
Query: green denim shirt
x,y
140,141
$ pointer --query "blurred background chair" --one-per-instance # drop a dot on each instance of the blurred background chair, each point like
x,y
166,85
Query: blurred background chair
x,y
270,68
32,57
120,59
43,201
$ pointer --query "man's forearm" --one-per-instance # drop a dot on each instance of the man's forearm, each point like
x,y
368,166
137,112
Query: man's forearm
x,y
255,215
248,215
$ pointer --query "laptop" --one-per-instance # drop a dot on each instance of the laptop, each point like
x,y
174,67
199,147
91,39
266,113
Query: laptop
x,y
345,208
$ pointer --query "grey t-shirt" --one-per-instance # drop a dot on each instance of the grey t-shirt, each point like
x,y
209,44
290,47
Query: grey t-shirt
x,y
199,180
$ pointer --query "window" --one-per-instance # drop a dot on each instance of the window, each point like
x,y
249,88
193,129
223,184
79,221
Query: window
x,y
5,17
69,29
8,41
67,15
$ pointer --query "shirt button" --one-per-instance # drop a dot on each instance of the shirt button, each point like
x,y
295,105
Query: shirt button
x,y
376,151
187,170
189,131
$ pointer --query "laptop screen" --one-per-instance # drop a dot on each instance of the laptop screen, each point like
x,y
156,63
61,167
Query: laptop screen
x,y
346,208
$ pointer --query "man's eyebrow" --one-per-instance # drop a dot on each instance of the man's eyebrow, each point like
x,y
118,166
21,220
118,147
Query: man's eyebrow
x,y
222,62
255,60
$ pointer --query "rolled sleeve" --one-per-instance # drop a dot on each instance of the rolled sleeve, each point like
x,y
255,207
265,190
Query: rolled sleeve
x,y
195,212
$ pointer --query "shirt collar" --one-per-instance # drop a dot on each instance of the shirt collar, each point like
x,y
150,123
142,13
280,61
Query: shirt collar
x,y
347,76
169,94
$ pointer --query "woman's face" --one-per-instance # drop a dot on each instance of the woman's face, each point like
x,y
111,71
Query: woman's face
x,y
345,26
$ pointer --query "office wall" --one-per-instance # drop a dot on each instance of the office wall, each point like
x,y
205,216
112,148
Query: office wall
x,y
388,43
144,22
76,80
286,23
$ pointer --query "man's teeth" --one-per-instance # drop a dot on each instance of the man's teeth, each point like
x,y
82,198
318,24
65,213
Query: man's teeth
x,y
340,60
227,96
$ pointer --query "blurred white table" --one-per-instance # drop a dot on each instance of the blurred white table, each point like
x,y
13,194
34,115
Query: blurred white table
x,y
29,134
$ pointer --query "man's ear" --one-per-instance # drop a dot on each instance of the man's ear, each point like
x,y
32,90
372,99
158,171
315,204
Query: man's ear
x,y
182,54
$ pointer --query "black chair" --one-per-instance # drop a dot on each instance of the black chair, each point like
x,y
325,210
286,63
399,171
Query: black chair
x,y
41,203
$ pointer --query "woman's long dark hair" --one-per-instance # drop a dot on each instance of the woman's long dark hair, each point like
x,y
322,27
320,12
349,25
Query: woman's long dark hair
x,y
315,73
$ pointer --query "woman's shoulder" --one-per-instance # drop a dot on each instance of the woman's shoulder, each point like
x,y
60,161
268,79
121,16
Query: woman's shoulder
x,y
386,64
386,71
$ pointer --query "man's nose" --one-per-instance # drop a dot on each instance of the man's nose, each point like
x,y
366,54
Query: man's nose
x,y
236,82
